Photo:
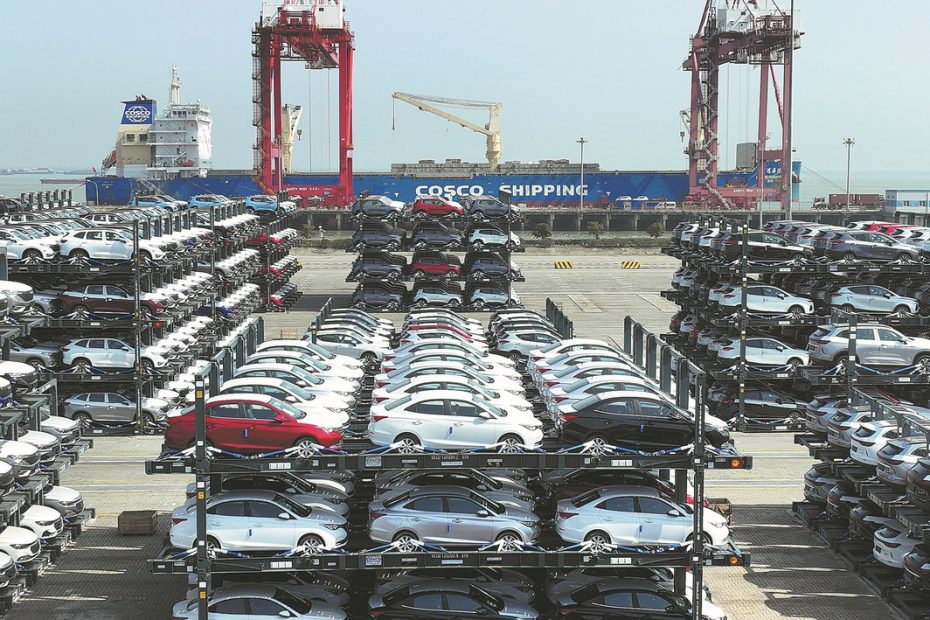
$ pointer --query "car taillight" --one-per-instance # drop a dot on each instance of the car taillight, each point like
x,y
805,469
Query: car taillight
x,y
378,418
559,399
566,418
567,515
388,358
387,368
536,358
376,613
867,444
551,383
542,369
382,383
727,349
818,341
567,611
729,296
728,401
374,515
176,520
380,399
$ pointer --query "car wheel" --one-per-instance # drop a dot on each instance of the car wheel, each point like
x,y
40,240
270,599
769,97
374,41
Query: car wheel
x,y
904,257
83,419
36,363
796,310
393,246
408,443
393,306
478,304
146,255
32,255
923,364
454,303
148,367
478,245
406,541
510,540
369,359
849,256
81,365
597,538
421,245
311,544
848,308
477,274
793,364
79,254
419,273
516,357
306,446
511,443
250,210
213,546
420,303
79,309
902,309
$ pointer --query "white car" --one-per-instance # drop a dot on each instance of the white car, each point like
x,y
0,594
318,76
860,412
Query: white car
x,y
765,352
566,346
449,419
375,333
302,377
265,602
311,349
898,456
446,344
574,360
326,411
323,369
766,299
483,364
109,353
581,389
430,335
607,515
869,438
7,570
890,545
276,523
427,383
351,345
570,374
43,521
19,543
455,368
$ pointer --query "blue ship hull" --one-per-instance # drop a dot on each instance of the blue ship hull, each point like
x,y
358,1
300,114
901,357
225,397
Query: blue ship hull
x,y
529,189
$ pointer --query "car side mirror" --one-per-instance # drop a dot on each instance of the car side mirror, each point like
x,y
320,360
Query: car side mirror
x,y
485,415
781,295
291,399
888,295
280,417
483,513
284,516
285,614
674,513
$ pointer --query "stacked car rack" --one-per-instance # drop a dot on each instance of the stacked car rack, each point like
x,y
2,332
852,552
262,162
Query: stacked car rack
x,y
438,275
274,244
854,500
357,455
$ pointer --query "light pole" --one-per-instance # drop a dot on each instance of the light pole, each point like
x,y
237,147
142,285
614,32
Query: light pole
x,y
849,144
582,142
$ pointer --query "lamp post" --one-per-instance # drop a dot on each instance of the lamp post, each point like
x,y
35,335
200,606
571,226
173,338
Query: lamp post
x,y
582,142
849,144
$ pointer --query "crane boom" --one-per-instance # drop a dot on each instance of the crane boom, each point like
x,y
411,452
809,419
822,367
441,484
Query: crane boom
x,y
492,130
290,121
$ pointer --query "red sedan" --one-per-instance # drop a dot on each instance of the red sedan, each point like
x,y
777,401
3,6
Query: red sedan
x,y
439,207
248,423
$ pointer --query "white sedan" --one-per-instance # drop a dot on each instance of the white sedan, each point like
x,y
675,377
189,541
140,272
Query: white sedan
x,y
765,352
446,344
265,602
449,419
452,368
891,545
311,349
427,383
259,521
573,358
484,364
566,346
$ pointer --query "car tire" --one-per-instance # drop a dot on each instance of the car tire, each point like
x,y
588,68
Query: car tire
x,y
794,363
81,365
902,309
393,306
419,273
212,546
406,540
796,310
454,303
598,537
83,418
32,255
516,357
849,256
393,246
420,303
478,304
478,245
311,543
408,442
509,538
369,359
848,308
904,257
36,363
147,366
78,254
79,309
250,210
923,361
511,443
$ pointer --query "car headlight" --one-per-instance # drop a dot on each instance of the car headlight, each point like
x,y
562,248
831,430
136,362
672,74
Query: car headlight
x,y
332,526
531,427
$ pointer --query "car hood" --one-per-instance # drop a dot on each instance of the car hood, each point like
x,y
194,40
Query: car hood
x,y
18,535
62,494
15,369
60,423
156,404
9,286
39,439
37,512
17,449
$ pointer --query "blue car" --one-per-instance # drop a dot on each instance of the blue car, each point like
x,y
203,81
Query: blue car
x,y
161,201
208,200
262,204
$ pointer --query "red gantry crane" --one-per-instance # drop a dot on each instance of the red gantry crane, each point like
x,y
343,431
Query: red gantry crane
x,y
738,32
316,33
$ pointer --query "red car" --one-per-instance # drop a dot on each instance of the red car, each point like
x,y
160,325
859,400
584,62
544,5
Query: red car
x,y
439,207
248,423
105,298
434,264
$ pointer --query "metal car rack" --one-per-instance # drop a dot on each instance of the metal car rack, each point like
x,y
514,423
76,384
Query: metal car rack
x,y
505,283
209,465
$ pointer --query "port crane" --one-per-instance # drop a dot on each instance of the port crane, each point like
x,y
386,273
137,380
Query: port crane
x,y
738,32
492,130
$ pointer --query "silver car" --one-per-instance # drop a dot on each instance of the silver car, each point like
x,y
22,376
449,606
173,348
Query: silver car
x,y
869,438
765,352
264,601
491,296
449,520
111,407
463,478
876,345
425,295
871,298
768,300
898,456
449,489
518,343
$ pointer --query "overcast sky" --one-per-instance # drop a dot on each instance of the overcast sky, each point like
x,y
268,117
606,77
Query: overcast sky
x,y
605,69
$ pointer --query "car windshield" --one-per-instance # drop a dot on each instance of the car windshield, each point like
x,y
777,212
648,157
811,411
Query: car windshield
x,y
297,509
298,605
289,409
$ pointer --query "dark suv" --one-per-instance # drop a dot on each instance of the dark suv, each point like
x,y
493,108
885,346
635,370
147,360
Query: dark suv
x,y
105,299
862,244
435,264
377,236
763,404
435,235
489,208
386,296
481,265
377,206
378,265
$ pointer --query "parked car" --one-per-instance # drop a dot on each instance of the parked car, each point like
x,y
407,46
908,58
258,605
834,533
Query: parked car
x,y
107,244
22,377
865,245
7,565
460,367
428,263
892,545
445,599
435,236
109,353
207,200
766,299
272,424
876,345
327,411
633,515
20,544
382,265
377,236
898,456
432,383
462,520
490,296
257,602
481,237
108,299
377,206
765,352
436,206
760,245
42,521
22,456
871,298
869,438
917,567
630,599
37,354
481,265
472,479
765,404
65,500
263,204
278,522
490,208
20,246
379,296
112,407
437,295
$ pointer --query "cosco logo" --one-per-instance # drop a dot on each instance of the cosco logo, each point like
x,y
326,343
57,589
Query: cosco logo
x,y
450,190
137,114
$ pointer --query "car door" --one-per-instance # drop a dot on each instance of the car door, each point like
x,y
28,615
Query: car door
x,y
660,426
658,526
263,430
465,524
98,355
230,521
99,409
868,348
884,246
7,242
892,350
880,299
618,517
431,422
118,299
427,517
120,354
267,530
611,419
467,428
227,426
120,408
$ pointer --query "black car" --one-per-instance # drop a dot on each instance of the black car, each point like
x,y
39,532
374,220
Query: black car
x,y
445,599
488,207
632,420
567,483
481,265
377,236
623,599
759,245
767,404
378,265
377,206
379,296
433,235
841,499
866,245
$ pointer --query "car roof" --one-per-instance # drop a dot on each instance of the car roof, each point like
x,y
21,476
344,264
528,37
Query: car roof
x,y
623,490
237,381
243,494
243,591
237,397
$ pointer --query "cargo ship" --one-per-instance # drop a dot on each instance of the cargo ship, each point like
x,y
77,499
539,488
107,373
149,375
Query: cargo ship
x,y
171,154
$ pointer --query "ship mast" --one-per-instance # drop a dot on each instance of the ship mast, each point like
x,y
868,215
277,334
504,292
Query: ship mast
x,y
174,92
